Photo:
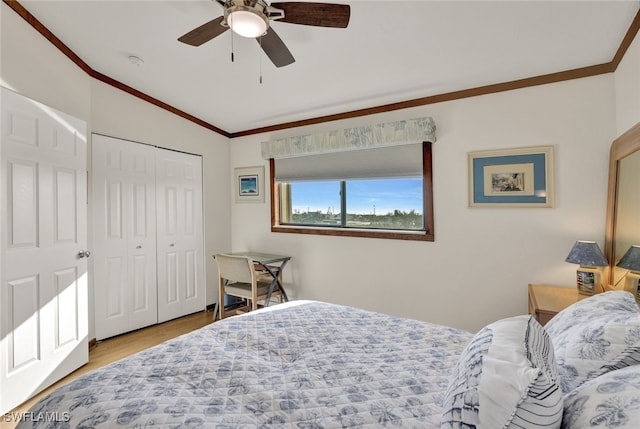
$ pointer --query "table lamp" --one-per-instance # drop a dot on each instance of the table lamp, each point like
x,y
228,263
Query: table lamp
x,y
589,256
631,261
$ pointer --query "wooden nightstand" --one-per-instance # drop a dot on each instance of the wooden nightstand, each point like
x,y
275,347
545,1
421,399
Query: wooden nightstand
x,y
546,301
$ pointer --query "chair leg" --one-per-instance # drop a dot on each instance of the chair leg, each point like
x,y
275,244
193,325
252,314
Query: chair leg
x,y
221,297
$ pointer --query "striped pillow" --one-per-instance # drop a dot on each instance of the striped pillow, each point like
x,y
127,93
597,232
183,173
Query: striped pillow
x,y
505,378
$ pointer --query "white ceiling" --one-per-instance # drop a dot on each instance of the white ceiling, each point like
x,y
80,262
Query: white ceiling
x,y
392,51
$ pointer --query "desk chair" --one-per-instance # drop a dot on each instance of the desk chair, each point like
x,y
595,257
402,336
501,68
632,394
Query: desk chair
x,y
239,277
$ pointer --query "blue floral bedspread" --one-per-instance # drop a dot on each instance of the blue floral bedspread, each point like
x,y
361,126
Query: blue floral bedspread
x,y
298,365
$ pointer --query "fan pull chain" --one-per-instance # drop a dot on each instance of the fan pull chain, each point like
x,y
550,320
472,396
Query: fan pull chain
x,y
232,59
260,56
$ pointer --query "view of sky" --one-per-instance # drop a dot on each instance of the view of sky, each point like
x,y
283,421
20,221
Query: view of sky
x,y
363,196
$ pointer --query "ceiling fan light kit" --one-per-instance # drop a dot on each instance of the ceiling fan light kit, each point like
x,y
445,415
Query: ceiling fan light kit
x,y
247,20
251,18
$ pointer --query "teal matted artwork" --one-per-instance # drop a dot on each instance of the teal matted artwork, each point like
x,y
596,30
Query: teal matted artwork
x,y
520,177
249,184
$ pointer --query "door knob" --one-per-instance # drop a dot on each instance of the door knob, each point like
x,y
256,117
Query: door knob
x,y
84,254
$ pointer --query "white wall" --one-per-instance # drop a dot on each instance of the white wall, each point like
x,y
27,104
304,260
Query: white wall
x,y
478,268
32,66
627,88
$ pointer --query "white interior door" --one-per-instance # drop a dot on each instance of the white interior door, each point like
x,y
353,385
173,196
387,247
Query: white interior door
x,y
124,259
181,288
43,278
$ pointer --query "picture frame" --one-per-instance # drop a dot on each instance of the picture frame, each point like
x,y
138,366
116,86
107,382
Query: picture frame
x,y
249,184
518,177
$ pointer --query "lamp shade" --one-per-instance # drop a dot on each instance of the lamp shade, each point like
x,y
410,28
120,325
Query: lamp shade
x,y
587,253
247,23
631,259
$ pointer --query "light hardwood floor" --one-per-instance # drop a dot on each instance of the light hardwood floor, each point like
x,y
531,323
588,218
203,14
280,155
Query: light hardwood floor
x,y
113,349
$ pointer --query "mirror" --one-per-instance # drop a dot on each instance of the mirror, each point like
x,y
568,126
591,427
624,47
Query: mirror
x,y
623,203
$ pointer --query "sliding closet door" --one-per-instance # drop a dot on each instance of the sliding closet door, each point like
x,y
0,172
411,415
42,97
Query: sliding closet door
x,y
181,286
43,268
124,224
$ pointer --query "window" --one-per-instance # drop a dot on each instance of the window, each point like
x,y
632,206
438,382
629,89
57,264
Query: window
x,y
380,193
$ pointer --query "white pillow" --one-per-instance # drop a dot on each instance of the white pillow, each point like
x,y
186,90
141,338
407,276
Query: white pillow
x,y
609,401
594,336
506,377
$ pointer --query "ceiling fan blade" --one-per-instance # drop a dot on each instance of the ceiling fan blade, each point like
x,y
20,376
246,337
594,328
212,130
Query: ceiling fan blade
x,y
316,14
204,33
274,47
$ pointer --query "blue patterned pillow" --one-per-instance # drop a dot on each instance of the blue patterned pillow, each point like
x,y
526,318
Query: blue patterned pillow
x,y
609,401
506,377
594,336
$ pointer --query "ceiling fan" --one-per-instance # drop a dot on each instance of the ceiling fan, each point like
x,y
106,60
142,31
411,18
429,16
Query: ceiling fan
x,y
251,18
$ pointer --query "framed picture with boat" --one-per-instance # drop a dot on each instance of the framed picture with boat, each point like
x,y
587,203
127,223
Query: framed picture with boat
x,y
518,177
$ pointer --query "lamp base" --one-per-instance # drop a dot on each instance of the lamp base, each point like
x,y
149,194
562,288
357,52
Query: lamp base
x,y
632,284
589,280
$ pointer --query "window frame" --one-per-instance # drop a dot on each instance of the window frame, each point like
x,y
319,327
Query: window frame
x,y
427,201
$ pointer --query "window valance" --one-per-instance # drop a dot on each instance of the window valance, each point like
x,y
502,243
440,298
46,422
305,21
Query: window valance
x,y
403,132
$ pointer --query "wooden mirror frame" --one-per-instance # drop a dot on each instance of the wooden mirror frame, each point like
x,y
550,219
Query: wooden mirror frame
x,y
623,146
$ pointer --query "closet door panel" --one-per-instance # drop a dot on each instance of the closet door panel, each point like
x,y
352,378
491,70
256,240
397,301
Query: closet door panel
x,y
124,235
142,298
180,234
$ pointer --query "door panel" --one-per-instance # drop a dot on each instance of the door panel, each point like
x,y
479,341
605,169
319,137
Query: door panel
x,y
140,299
65,203
22,204
22,126
180,234
23,314
66,298
191,280
114,219
43,283
189,216
124,198
171,279
140,214
62,140
115,275
171,212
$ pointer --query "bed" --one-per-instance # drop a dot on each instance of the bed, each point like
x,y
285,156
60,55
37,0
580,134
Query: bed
x,y
307,364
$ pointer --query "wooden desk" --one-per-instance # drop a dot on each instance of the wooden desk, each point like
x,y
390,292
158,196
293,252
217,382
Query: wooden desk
x,y
546,301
